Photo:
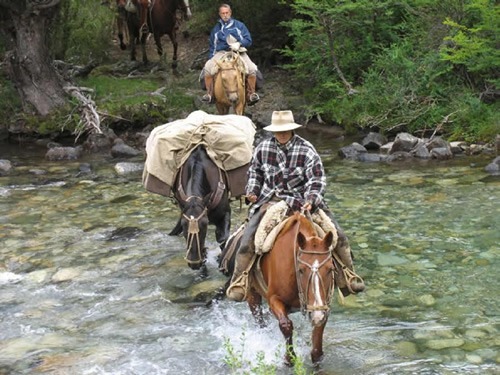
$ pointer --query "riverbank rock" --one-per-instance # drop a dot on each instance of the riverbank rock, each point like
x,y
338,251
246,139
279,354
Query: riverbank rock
x,y
64,153
494,167
5,166
405,147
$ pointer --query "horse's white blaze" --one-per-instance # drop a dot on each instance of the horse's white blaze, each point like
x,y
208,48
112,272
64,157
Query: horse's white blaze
x,y
187,8
317,316
318,301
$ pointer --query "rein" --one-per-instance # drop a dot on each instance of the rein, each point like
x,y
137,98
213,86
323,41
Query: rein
x,y
315,281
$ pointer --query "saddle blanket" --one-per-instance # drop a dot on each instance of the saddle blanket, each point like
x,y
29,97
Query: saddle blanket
x,y
272,223
228,140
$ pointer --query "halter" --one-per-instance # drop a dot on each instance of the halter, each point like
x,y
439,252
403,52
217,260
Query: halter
x,y
234,66
193,226
194,233
315,281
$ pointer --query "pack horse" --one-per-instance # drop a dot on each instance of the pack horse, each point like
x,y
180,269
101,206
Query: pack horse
x,y
156,17
202,195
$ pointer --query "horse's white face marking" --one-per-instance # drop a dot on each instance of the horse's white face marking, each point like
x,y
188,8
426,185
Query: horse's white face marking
x,y
187,8
317,316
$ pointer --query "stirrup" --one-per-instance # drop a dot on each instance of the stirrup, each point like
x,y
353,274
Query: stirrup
x,y
238,289
254,98
207,98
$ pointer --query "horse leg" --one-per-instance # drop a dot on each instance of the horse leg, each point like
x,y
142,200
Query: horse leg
x,y
254,301
177,229
173,38
223,109
222,230
317,343
133,42
121,29
240,107
144,38
159,49
286,327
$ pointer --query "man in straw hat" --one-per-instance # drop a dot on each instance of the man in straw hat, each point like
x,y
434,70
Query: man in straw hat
x,y
286,167
229,34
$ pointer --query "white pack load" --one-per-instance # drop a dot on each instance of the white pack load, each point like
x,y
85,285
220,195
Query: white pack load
x,y
228,140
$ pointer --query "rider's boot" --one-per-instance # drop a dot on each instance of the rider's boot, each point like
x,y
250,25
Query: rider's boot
x,y
239,281
245,257
345,278
345,267
209,84
253,97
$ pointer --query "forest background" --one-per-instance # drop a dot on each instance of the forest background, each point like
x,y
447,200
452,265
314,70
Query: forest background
x,y
378,65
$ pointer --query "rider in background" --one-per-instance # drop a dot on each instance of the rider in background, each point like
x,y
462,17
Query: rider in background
x,y
285,167
229,34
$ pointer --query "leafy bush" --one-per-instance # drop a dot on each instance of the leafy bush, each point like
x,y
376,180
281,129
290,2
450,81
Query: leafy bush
x,y
374,64
83,31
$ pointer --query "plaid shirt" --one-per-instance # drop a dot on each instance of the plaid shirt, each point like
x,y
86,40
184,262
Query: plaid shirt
x,y
293,172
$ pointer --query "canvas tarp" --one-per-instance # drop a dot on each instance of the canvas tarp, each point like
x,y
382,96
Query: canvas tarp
x,y
228,140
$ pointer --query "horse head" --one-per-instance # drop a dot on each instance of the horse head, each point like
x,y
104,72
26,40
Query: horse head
x,y
194,222
314,269
232,76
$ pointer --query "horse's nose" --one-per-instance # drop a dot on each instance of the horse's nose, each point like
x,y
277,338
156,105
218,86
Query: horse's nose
x,y
317,318
233,97
195,266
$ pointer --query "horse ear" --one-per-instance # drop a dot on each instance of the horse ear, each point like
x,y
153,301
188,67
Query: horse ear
x,y
301,239
328,239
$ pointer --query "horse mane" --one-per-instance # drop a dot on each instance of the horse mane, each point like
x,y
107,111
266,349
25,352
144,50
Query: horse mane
x,y
197,176
306,225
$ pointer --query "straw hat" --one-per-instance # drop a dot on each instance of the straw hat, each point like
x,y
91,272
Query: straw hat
x,y
282,121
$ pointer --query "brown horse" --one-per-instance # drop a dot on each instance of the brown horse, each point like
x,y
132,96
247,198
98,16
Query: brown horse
x,y
229,85
296,274
158,17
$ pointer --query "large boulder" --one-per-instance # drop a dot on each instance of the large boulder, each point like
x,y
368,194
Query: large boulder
x,y
404,142
373,141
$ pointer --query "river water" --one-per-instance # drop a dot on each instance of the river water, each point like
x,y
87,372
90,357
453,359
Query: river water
x,y
91,283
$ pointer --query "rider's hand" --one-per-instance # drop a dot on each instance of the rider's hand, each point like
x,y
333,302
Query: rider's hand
x,y
307,206
235,46
252,197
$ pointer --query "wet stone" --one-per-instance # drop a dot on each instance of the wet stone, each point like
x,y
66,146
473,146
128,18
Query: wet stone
x,y
444,343
406,348
66,274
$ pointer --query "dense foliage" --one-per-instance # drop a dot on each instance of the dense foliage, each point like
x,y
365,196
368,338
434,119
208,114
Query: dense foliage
x,y
387,65
411,65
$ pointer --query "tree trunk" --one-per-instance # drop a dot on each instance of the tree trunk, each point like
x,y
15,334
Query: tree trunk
x,y
29,64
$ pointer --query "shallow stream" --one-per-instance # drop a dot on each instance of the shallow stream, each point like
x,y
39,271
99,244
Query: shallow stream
x,y
90,282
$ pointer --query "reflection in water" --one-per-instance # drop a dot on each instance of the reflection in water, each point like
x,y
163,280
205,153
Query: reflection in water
x,y
92,284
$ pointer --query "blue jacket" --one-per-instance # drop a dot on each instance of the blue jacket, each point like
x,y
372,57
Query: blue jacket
x,y
222,30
